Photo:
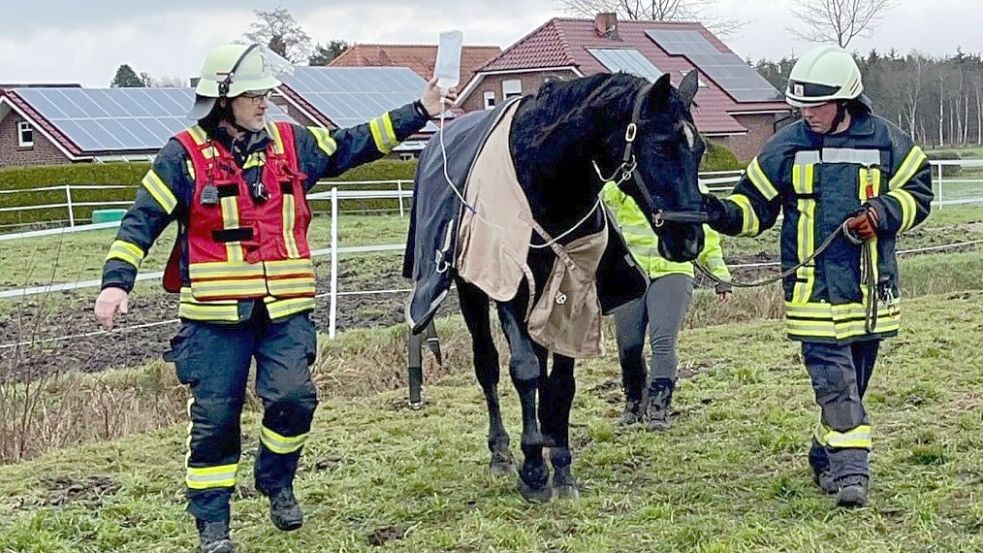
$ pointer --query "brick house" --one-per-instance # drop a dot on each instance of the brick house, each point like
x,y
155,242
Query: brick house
x,y
418,57
735,107
45,125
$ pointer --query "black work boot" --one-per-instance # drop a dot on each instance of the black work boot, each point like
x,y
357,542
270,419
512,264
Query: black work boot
x,y
284,510
632,414
852,491
821,475
214,536
660,403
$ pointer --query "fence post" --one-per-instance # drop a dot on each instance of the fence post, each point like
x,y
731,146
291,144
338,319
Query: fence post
x,y
68,202
940,184
399,188
333,312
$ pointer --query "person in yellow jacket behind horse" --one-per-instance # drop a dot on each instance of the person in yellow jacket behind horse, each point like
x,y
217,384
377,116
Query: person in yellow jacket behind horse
x,y
662,310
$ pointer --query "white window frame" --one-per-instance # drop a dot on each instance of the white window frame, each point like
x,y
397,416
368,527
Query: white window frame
x,y
407,156
22,128
489,97
511,88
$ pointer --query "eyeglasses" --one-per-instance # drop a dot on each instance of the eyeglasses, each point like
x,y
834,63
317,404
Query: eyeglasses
x,y
258,97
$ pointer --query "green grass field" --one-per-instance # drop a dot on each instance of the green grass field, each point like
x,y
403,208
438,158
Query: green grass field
x,y
729,477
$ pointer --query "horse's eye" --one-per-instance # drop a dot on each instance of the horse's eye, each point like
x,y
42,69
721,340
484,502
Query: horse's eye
x,y
665,149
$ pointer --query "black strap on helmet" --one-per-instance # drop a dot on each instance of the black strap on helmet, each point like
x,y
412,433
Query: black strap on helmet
x,y
226,83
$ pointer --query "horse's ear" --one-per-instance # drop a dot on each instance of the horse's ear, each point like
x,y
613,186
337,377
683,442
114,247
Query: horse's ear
x,y
659,94
689,86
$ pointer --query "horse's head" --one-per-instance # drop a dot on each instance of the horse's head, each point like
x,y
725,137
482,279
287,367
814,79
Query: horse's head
x,y
662,152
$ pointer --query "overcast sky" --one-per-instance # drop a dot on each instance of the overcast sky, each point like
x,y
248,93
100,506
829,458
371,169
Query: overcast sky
x,y
86,40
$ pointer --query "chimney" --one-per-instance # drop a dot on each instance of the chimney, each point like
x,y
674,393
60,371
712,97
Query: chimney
x,y
606,25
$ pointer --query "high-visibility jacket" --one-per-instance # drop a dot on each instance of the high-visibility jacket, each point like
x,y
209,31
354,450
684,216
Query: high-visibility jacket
x,y
241,251
644,243
819,181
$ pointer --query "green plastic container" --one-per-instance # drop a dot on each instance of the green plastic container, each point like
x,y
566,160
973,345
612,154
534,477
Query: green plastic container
x,y
107,215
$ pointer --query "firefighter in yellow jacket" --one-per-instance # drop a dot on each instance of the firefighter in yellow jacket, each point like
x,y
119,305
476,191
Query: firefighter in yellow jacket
x,y
662,310
237,183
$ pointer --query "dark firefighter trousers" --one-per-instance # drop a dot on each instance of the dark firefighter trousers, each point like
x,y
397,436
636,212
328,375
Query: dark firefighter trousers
x,y
213,360
840,374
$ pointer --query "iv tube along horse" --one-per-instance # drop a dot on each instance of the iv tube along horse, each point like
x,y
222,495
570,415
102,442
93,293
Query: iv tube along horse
x,y
507,207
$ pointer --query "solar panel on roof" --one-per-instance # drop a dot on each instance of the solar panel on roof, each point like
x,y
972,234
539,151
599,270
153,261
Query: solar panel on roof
x,y
349,96
626,60
118,119
729,71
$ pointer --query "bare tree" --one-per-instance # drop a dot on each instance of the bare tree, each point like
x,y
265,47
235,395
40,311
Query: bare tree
x,y
656,10
838,21
278,30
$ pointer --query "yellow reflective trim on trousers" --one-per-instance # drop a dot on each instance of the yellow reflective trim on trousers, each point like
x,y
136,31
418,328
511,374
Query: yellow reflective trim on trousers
x,y
289,267
760,181
159,191
324,140
908,168
289,224
126,251
230,220
859,437
279,309
218,269
749,219
908,207
222,476
278,443
802,183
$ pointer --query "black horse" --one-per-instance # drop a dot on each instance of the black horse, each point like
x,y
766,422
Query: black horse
x,y
565,143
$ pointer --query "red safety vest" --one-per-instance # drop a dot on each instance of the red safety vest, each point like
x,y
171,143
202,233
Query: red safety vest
x,y
240,248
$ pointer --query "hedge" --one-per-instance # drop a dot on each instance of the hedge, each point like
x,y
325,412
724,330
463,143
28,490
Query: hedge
x,y
130,174
718,158
947,170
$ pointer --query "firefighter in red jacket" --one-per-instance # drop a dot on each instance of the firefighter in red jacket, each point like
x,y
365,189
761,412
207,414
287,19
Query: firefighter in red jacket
x,y
236,184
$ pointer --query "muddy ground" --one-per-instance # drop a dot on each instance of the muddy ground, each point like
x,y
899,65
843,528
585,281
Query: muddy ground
x,y
90,350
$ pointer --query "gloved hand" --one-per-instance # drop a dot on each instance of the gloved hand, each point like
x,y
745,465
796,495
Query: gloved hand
x,y
864,223
723,290
714,209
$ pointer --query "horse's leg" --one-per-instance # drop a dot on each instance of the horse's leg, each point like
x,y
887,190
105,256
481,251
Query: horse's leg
x,y
527,367
474,306
554,413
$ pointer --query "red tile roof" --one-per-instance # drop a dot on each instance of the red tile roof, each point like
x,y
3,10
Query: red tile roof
x,y
564,42
419,58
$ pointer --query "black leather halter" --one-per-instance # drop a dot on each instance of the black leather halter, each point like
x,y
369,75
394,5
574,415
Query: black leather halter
x,y
629,166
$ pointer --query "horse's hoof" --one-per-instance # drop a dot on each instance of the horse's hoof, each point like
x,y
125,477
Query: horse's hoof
x,y
502,468
568,491
535,495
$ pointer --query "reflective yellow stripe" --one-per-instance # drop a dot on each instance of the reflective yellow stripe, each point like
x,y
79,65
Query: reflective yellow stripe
x,y
278,308
278,443
126,251
760,181
908,207
289,267
224,289
838,322
913,161
256,159
324,140
208,312
749,220
222,476
382,134
289,222
198,134
292,287
160,191
218,269
230,220
802,183
858,437
274,132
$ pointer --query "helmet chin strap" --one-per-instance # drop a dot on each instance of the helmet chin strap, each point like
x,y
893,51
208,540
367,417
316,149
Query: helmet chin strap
x,y
840,115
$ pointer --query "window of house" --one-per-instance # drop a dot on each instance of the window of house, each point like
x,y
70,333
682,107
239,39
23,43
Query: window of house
x,y
489,99
25,134
511,88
